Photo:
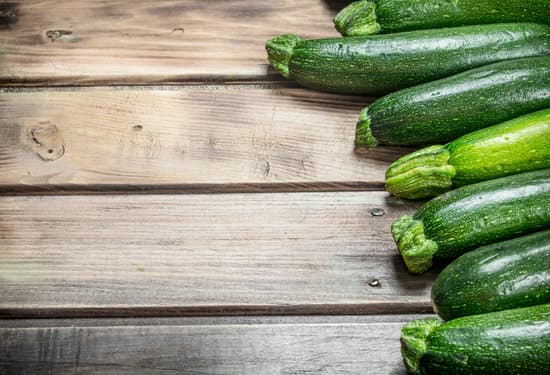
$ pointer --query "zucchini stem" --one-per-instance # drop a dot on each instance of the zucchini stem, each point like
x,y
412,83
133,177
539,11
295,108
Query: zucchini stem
x,y
421,174
416,250
357,19
363,133
280,50
414,337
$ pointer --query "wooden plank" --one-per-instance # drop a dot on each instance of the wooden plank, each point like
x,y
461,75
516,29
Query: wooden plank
x,y
209,320
164,41
218,138
369,345
217,254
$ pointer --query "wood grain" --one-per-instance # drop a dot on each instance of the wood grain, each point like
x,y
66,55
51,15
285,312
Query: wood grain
x,y
164,41
220,254
369,345
204,138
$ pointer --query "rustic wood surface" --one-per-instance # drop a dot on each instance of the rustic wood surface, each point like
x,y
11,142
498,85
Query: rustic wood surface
x,y
113,42
229,137
209,254
329,345
106,104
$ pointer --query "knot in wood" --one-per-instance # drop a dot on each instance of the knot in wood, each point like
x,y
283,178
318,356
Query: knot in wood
x,y
59,35
47,142
8,15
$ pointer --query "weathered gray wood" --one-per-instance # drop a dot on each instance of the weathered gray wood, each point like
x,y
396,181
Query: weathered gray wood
x,y
205,138
365,345
294,253
209,320
163,41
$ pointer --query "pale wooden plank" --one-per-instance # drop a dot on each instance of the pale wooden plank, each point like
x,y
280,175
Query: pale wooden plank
x,y
164,41
241,137
368,345
278,253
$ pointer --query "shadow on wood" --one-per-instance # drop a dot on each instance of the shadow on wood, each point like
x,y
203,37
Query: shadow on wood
x,y
336,5
383,153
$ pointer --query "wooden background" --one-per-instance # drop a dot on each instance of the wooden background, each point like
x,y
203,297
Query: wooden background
x,y
169,204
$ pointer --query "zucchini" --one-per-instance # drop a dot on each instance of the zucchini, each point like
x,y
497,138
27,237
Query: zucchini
x,y
390,16
515,146
473,215
443,110
379,64
506,342
500,276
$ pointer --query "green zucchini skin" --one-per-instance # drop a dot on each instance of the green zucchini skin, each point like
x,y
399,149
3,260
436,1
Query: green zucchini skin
x,y
379,64
443,110
518,145
515,146
500,276
390,16
474,215
505,342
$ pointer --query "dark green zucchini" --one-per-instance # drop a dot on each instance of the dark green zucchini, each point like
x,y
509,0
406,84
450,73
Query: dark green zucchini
x,y
506,342
504,275
390,16
379,64
443,110
515,146
473,215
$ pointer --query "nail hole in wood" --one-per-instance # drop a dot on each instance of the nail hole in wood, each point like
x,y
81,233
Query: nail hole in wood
x,y
374,283
377,211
